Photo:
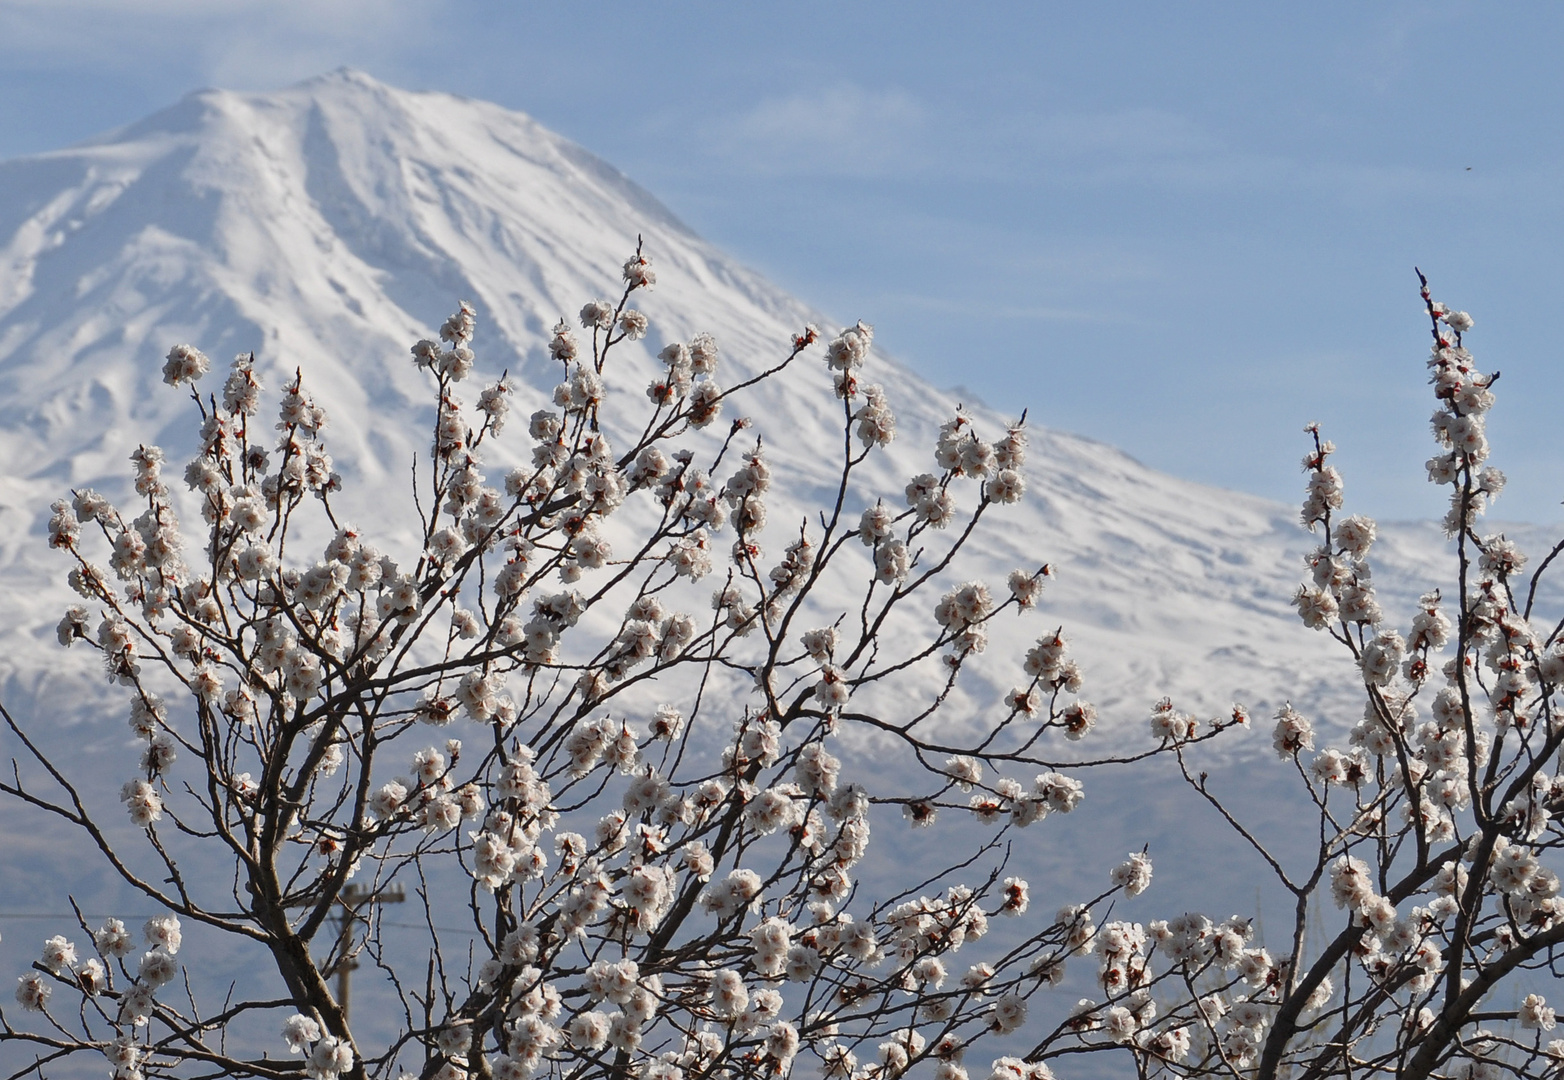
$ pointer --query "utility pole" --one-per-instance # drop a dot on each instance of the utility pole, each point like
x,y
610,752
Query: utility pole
x,y
350,900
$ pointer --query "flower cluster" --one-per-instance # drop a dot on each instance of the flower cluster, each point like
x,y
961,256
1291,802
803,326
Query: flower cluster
x,y
675,885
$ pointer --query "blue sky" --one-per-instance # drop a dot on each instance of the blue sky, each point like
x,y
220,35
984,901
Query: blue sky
x,y
1183,229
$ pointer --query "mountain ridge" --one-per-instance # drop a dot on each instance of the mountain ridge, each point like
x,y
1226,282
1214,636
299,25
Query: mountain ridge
x,y
328,225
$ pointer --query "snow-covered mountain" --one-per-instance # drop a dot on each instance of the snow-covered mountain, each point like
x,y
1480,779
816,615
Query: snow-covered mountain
x,y
329,225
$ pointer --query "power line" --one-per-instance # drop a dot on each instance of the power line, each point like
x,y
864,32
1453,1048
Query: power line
x,y
71,916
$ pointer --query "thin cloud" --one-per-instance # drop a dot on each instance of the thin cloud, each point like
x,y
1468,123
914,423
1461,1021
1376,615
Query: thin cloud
x,y
242,43
846,130
843,130
1131,133
1162,149
981,309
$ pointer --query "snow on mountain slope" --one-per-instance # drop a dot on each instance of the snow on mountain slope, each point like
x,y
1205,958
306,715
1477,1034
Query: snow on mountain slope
x,y
329,225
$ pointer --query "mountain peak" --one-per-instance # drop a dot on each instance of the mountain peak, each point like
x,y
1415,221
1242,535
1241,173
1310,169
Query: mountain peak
x,y
344,74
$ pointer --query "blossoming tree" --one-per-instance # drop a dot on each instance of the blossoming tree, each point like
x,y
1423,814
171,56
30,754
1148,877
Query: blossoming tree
x,y
645,824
